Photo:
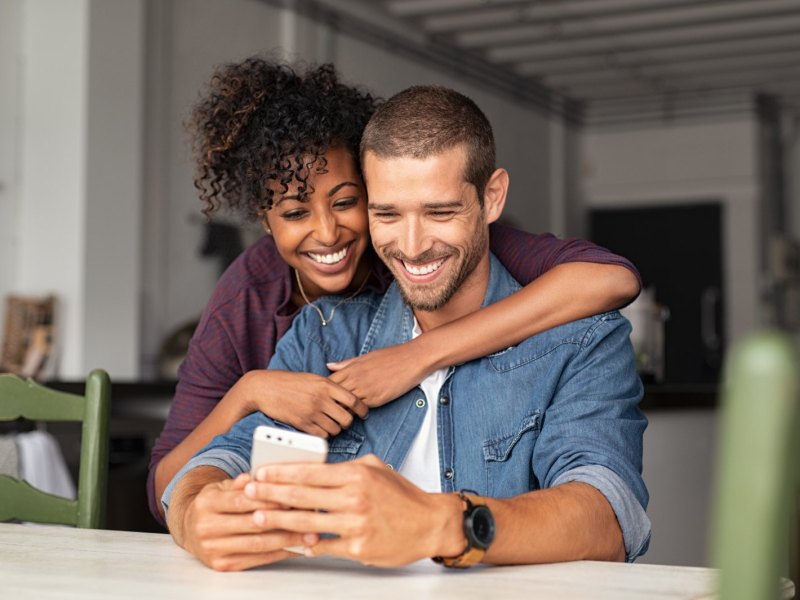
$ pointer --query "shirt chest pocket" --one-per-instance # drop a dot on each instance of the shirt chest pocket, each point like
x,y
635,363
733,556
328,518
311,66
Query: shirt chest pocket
x,y
508,457
345,446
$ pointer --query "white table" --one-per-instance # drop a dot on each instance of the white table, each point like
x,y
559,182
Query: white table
x,y
55,562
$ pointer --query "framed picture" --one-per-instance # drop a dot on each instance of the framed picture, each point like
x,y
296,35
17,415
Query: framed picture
x,y
28,347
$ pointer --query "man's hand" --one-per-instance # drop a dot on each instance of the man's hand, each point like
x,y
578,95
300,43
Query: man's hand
x,y
216,524
380,517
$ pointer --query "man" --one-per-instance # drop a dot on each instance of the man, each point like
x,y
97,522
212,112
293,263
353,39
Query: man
x,y
546,435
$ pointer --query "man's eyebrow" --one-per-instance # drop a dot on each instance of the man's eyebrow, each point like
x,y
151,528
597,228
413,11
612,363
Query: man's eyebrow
x,y
441,205
429,205
336,188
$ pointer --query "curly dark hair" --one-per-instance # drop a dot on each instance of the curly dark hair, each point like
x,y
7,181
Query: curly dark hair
x,y
262,120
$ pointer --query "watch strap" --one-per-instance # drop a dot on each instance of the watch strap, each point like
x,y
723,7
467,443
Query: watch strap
x,y
472,554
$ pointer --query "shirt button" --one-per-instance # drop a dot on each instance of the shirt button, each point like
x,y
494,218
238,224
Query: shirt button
x,y
444,400
420,403
448,473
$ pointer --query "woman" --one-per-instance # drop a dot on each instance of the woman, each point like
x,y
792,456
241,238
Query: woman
x,y
282,147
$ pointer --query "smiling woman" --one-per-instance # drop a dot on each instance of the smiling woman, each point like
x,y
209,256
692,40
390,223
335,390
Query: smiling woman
x,y
322,233
282,146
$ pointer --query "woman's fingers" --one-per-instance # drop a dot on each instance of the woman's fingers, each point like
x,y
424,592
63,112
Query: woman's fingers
x,y
347,399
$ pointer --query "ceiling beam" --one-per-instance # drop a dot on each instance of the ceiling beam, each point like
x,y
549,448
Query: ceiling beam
x,y
670,72
724,32
662,56
531,13
694,16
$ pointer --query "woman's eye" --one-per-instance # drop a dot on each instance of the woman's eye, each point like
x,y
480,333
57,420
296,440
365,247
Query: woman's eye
x,y
345,203
293,215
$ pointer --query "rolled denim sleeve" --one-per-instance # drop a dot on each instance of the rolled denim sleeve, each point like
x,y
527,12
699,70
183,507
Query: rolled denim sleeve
x,y
594,428
633,521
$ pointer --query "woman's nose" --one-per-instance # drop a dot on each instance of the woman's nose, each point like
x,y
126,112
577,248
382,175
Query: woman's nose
x,y
326,229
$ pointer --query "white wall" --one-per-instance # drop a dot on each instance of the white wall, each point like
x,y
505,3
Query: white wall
x,y
679,454
186,39
51,219
78,206
10,98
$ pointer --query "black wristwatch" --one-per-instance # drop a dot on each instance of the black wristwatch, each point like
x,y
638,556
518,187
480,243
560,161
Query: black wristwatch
x,y
478,529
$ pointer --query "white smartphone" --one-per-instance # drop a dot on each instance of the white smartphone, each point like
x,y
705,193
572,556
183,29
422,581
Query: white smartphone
x,y
273,445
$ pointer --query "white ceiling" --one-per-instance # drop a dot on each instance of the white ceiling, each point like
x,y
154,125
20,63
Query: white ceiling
x,y
622,60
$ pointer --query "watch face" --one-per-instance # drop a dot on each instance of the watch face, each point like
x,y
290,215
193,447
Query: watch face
x,y
482,526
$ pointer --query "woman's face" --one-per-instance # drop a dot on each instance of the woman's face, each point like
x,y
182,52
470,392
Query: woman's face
x,y
325,235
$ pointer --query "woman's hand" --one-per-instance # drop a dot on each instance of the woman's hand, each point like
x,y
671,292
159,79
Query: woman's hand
x,y
382,375
308,402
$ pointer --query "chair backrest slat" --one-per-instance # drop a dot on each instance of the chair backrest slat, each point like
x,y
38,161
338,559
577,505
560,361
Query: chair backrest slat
x,y
30,400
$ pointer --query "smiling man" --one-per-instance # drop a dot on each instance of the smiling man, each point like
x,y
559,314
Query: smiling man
x,y
532,454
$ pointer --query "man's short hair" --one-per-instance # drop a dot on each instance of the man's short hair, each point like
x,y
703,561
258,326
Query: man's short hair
x,y
425,120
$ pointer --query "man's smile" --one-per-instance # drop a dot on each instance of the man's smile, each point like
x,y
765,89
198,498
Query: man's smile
x,y
422,272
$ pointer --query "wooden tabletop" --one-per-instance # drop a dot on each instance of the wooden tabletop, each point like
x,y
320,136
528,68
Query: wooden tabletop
x,y
57,562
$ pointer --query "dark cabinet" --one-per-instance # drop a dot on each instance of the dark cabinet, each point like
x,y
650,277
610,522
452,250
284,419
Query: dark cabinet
x,y
678,250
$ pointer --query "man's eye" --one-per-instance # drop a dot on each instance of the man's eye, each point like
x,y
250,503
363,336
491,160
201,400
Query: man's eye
x,y
443,213
384,215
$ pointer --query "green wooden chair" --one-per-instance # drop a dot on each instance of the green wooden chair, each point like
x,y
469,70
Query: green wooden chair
x,y
27,399
758,467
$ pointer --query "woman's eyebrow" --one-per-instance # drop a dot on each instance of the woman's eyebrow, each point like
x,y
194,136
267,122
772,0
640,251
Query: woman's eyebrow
x,y
339,186
288,197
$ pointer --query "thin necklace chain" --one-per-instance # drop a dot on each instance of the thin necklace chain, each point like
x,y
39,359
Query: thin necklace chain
x,y
338,304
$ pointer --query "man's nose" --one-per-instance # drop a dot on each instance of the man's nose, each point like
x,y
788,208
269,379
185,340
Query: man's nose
x,y
326,229
412,240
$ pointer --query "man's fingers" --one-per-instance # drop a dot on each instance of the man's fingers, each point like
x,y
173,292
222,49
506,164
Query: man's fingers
x,y
244,551
225,525
232,501
242,562
306,521
341,547
325,475
304,498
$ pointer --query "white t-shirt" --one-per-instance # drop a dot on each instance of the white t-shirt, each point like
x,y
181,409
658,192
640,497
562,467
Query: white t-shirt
x,y
421,466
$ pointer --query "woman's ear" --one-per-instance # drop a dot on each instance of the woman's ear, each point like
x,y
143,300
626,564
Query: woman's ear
x,y
262,216
494,195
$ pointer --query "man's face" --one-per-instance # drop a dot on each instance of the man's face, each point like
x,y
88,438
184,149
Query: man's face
x,y
426,224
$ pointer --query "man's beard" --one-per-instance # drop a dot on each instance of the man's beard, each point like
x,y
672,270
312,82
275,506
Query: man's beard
x,y
431,297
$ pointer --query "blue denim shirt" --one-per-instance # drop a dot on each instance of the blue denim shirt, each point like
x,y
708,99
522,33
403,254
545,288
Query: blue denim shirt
x,y
561,406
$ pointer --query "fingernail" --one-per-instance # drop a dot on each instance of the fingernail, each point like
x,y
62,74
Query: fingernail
x,y
309,539
309,552
250,490
258,517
